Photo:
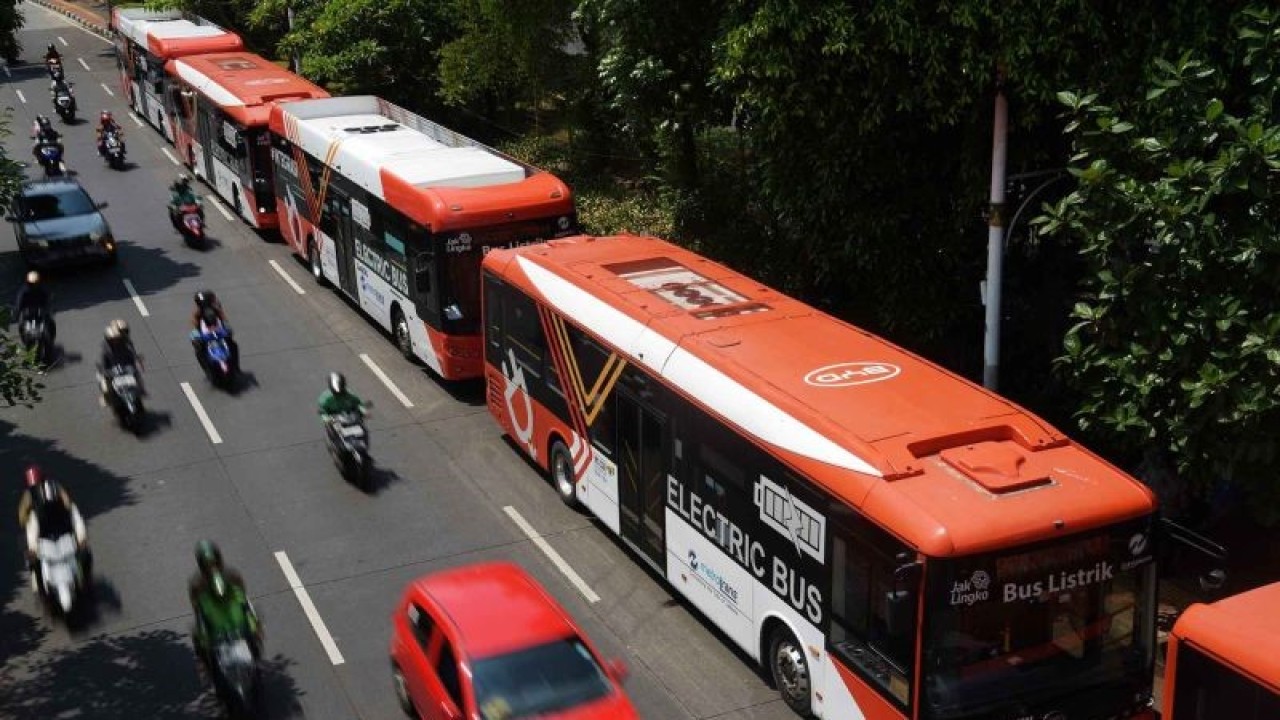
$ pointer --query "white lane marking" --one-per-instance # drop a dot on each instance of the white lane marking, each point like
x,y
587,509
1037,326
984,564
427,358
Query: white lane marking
x,y
84,64
137,300
104,87
21,97
296,287
62,40
136,120
214,437
221,208
550,552
169,155
308,607
404,400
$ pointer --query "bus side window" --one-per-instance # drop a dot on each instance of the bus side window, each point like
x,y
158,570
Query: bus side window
x,y
592,360
524,333
873,621
493,296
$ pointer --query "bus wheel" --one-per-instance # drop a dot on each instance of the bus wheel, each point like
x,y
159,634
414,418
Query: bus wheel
x,y
790,671
235,201
403,341
313,259
562,473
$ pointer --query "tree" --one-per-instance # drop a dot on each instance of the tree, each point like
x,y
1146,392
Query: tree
x,y
379,47
17,366
1176,351
11,20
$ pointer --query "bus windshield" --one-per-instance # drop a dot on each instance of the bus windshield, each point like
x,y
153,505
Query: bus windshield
x,y
1042,628
463,253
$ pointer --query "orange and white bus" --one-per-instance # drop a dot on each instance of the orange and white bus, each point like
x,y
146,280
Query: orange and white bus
x,y
397,212
147,39
1224,659
221,103
887,539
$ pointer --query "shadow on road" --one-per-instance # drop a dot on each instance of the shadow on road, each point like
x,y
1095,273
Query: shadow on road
x,y
151,674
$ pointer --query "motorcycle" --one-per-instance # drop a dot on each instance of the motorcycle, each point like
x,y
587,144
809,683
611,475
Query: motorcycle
x,y
51,160
56,71
65,104
112,150
216,358
191,224
36,333
348,442
126,396
235,676
62,576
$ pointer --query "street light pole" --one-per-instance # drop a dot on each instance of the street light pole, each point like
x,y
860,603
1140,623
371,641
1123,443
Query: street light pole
x,y
995,239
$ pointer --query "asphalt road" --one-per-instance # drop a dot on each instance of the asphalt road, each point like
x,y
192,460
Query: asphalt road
x,y
446,475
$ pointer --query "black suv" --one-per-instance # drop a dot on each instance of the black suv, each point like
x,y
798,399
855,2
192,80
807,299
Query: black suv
x,y
55,221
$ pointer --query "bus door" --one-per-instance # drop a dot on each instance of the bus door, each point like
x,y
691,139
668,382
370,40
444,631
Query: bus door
x,y
642,472
341,232
204,140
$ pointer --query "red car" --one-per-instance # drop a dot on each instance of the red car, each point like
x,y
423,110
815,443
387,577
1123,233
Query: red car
x,y
486,642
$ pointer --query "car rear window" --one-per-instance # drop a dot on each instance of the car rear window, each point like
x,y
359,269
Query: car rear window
x,y
539,680
50,204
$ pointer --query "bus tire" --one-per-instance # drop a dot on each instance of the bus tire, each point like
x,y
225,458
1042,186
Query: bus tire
x,y
560,468
191,159
235,201
313,259
400,331
790,671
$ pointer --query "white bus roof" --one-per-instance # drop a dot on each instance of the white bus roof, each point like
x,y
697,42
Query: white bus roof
x,y
364,137
127,21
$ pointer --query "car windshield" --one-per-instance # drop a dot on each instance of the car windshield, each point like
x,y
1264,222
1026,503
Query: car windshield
x,y
542,679
1035,625
60,203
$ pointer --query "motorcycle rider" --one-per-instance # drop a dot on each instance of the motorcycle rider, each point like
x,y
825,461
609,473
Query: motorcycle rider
x,y
207,317
337,399
59,86
45,510
53,61
44,134
117,351
108,124
33,300
180,194
220,604
51,53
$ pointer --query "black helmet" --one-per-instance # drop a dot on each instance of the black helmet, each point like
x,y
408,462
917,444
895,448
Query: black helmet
x,y
208,557
205,298
184,180
43,122
51,48
337,383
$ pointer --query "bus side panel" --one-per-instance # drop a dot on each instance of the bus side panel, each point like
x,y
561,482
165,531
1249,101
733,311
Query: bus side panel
x,y
291,203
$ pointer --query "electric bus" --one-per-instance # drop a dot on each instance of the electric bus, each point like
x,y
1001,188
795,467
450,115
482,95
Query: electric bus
x,y
887,539
220,103
397,212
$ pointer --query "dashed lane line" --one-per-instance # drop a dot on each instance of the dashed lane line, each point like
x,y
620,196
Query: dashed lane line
x,y
21,97
169,155
214,437
84,65
296,287
221,208
137,120
109,92
404,399
137,300
551,553
62,40
308,607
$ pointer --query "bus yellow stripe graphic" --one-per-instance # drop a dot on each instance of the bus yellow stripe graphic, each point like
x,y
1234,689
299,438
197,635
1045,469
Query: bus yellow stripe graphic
x,y
591,403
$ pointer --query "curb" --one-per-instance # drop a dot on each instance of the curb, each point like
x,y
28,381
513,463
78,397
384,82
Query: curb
x,y
85,18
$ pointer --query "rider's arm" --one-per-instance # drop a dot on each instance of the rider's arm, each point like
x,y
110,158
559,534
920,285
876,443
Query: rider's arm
x,y
78,527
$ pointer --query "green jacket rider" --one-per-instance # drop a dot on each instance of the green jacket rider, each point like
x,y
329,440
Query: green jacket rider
x,y
221,606
337,399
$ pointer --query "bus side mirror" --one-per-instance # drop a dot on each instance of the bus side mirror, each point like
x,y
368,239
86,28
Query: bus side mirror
x,y
1213,580
907,573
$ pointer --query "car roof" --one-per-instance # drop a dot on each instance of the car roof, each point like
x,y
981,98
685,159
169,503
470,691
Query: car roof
x,y
35,186
495,608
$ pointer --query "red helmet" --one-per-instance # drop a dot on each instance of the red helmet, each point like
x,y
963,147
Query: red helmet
x,y
105,116
34,475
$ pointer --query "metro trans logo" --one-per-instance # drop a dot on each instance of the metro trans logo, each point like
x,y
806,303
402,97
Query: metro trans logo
x,y
805,527
847,374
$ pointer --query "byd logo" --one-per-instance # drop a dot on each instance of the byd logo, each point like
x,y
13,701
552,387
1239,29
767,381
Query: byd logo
x,y
847,374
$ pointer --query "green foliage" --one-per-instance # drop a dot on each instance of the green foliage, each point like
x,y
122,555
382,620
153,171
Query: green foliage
x,y
380,47
514,50
1176,345
11,20
17,366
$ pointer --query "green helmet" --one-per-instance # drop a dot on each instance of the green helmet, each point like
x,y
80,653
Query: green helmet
x,y
208,557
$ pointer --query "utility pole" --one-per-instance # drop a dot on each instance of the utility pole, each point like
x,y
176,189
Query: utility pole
x,y
293,59
995,239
